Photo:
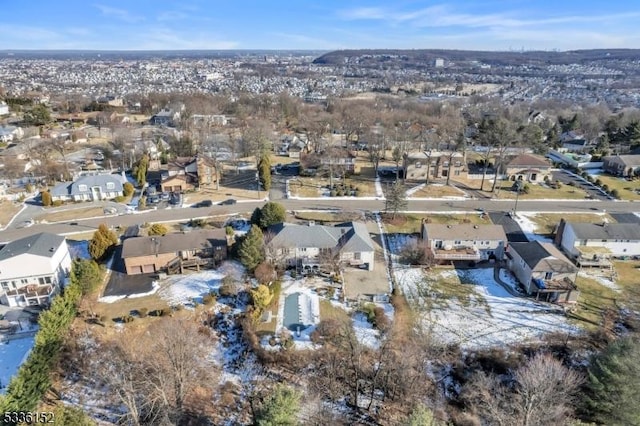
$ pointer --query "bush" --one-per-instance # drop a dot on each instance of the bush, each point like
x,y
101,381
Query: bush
x,y
332,193
264,273
127,189
120,199
598,182
128,318
157,229
228,230
208,299
615,193
605,187
57,203
380,319
165,312
142,312
45,196
589,178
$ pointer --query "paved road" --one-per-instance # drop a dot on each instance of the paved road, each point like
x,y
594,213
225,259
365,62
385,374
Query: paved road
x,y
372,205
626,218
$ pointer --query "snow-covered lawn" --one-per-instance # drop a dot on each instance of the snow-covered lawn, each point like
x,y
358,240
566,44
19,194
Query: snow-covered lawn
x,y
12,354
183,289
479,314
112,299
79,249
529,228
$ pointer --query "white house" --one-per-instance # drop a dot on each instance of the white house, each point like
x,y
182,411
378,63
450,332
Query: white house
x,y
90,188
309,246
32,269
591,242
465,241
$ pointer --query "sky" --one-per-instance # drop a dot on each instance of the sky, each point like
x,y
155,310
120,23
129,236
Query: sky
x,y
319,24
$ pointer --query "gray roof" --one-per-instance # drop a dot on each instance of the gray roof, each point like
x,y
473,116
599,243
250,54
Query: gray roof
x,y
195,240
349,236
42,244
73,188
627,160
606,231
464,231
543,257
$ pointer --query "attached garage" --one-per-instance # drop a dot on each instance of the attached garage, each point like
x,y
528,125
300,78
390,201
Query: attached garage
x,y
133,270
147,269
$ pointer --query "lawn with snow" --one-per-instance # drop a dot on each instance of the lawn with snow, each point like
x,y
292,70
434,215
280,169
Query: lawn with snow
x,y
184,289
529,228
79,249
113,299
12,354
467,307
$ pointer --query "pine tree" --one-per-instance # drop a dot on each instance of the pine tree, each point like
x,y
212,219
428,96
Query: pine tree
x,y
103,239
614,384
271,213
251,251
127,189
280,408
157,229
46,198
264,172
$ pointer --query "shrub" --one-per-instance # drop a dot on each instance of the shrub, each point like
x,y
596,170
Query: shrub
x,y
264,273
46,198
228,230
380,319
57,203
332,193
615,193
157,229
127,189
208,299
598,182
605,187
589,178
128,318
165,312
120,199
142,312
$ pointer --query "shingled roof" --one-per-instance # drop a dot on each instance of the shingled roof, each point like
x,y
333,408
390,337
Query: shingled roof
x,y
43,244
528,160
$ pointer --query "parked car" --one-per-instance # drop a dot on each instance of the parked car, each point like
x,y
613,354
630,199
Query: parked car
x,y
165,196
153,199
228,202
109,210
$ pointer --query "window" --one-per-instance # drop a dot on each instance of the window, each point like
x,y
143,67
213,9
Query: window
x,y
41,280
47,280
111,185
24,281
548,275
5,285
357,255
82,188
457,242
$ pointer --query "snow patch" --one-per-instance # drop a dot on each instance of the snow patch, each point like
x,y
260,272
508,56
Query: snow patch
x,y
79,249
529,228
12,354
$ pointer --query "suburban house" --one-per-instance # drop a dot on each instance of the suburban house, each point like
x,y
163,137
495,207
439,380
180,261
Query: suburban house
x,y
543,270
339,159
621,165
110,100
186,173
528,167
174,252
464,241
310,246
89,188
592,244
32,269
165,117
291,146
434,165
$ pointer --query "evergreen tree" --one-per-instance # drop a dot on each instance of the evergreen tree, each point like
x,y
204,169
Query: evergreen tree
x,y
251,251
87,273
280,408
157,229
614,384
127,189
103,239
272,213
633,133
140,170
264,172
255,216
45,196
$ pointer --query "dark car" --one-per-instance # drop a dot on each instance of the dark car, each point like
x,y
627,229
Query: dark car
x,y
205,203
228,202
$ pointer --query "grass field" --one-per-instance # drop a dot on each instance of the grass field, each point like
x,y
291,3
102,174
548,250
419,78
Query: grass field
x,y
594,299
76,213
8,209
546,222
341,216
437,191
627,280
540,192
328,311
626,189
411,223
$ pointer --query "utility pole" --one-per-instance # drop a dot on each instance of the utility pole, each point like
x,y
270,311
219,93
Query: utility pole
x,y
258,182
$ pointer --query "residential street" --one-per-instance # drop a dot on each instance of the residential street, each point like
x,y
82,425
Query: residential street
x,y
554,206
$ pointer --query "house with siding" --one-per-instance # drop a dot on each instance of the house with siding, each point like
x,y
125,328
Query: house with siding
x,y
464,241
89,188
621,165
187,173
592,244
434,165
543,270
306,246
33,269
158,253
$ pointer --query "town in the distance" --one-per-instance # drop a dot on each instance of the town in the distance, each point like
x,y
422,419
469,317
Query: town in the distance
x,y
370,237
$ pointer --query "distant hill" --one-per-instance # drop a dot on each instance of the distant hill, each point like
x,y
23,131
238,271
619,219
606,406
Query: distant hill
x,y
339,57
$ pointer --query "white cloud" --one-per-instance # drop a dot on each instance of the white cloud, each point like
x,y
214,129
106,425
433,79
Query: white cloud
x,y
121,14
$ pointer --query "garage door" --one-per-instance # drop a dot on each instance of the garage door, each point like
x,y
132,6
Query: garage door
x,y
148,269
135,269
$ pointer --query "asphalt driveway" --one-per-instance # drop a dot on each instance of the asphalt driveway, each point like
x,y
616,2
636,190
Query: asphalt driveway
x,y
121,284
511,227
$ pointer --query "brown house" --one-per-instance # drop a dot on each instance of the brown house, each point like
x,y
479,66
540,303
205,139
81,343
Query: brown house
x,y
186,173
529,168
434,165
158,253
